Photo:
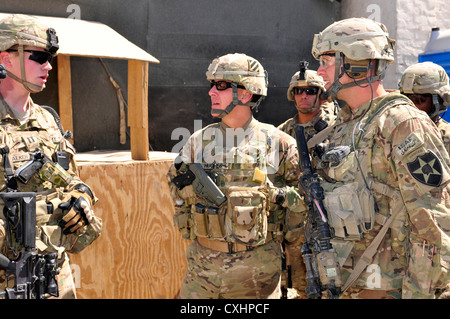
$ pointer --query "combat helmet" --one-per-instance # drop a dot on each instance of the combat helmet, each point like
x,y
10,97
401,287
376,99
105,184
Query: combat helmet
x,y
243,70
23,30
427,78
355,41
308,78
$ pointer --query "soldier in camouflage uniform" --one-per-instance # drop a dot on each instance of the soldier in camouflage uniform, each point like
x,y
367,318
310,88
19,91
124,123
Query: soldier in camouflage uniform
x,y
236,252
387,192
65,220
426,84
314,114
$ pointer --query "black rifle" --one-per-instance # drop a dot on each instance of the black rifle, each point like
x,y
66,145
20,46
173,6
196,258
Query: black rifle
x,y
322,270
34,274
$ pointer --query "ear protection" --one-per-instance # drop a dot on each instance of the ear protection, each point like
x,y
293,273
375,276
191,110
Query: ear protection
x,y
3,72
356,69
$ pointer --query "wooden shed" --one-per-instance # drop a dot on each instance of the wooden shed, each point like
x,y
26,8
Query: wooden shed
x,y
97,40
139,254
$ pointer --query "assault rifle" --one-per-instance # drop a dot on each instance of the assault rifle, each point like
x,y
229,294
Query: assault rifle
x,y
34,274
322,270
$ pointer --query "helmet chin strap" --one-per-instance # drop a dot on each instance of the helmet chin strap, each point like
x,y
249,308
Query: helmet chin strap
x,y
32,88
336,86
222,113
438,107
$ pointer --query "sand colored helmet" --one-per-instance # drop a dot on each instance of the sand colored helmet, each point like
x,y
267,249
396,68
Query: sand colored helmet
x,y
423,78
22,30
311,79
19,29
357,38
427,78
355,43
241,69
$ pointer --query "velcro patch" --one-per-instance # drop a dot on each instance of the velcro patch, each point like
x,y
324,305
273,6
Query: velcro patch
x,y
427,169
411,143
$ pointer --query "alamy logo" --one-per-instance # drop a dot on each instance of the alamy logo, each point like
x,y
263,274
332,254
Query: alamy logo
x,y
374,279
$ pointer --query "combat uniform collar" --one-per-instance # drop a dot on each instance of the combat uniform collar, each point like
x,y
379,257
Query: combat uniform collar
x,y
347,114
314,120
7,115
246,129
252,122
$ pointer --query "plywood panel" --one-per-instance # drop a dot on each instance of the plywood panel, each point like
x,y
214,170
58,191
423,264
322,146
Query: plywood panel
x,y
139,254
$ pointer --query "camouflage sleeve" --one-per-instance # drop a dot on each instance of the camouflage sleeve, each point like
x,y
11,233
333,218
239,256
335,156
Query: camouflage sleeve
x,y
421,166
86,235
287,179
73,168
77,242
444,128
184,198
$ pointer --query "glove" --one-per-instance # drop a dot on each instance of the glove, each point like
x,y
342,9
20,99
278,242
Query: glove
x,y
78,206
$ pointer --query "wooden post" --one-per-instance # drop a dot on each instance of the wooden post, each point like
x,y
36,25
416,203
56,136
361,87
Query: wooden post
x,y
138,109
65,93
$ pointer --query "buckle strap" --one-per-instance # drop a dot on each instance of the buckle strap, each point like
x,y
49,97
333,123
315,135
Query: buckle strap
x,y
223,246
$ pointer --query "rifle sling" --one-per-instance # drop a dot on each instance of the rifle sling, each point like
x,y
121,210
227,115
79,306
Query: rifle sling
x,y
370,251
319,137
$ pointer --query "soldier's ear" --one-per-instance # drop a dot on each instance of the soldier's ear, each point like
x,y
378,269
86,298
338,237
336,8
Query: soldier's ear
x,y
246,97
4,57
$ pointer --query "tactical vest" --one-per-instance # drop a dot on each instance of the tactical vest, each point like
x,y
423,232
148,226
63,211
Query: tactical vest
x,y
350,199
240,170
22,140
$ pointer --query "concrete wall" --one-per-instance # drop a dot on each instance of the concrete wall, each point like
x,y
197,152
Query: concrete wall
x,y
415,19
185,35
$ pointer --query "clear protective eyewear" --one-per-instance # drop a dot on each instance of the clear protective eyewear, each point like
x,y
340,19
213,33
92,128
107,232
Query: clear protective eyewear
x,y
328,61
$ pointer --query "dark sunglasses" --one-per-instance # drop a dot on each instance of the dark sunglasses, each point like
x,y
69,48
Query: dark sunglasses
x,y
223,85
308,91
418,98
37,56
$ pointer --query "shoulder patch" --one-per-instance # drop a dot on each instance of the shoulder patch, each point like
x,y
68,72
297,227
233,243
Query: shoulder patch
x,y
427,169
411,143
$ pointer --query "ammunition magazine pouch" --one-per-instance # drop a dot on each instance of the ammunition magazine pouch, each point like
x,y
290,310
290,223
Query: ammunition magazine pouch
x,y
351,211
207,222
242,219
246,221
46,213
